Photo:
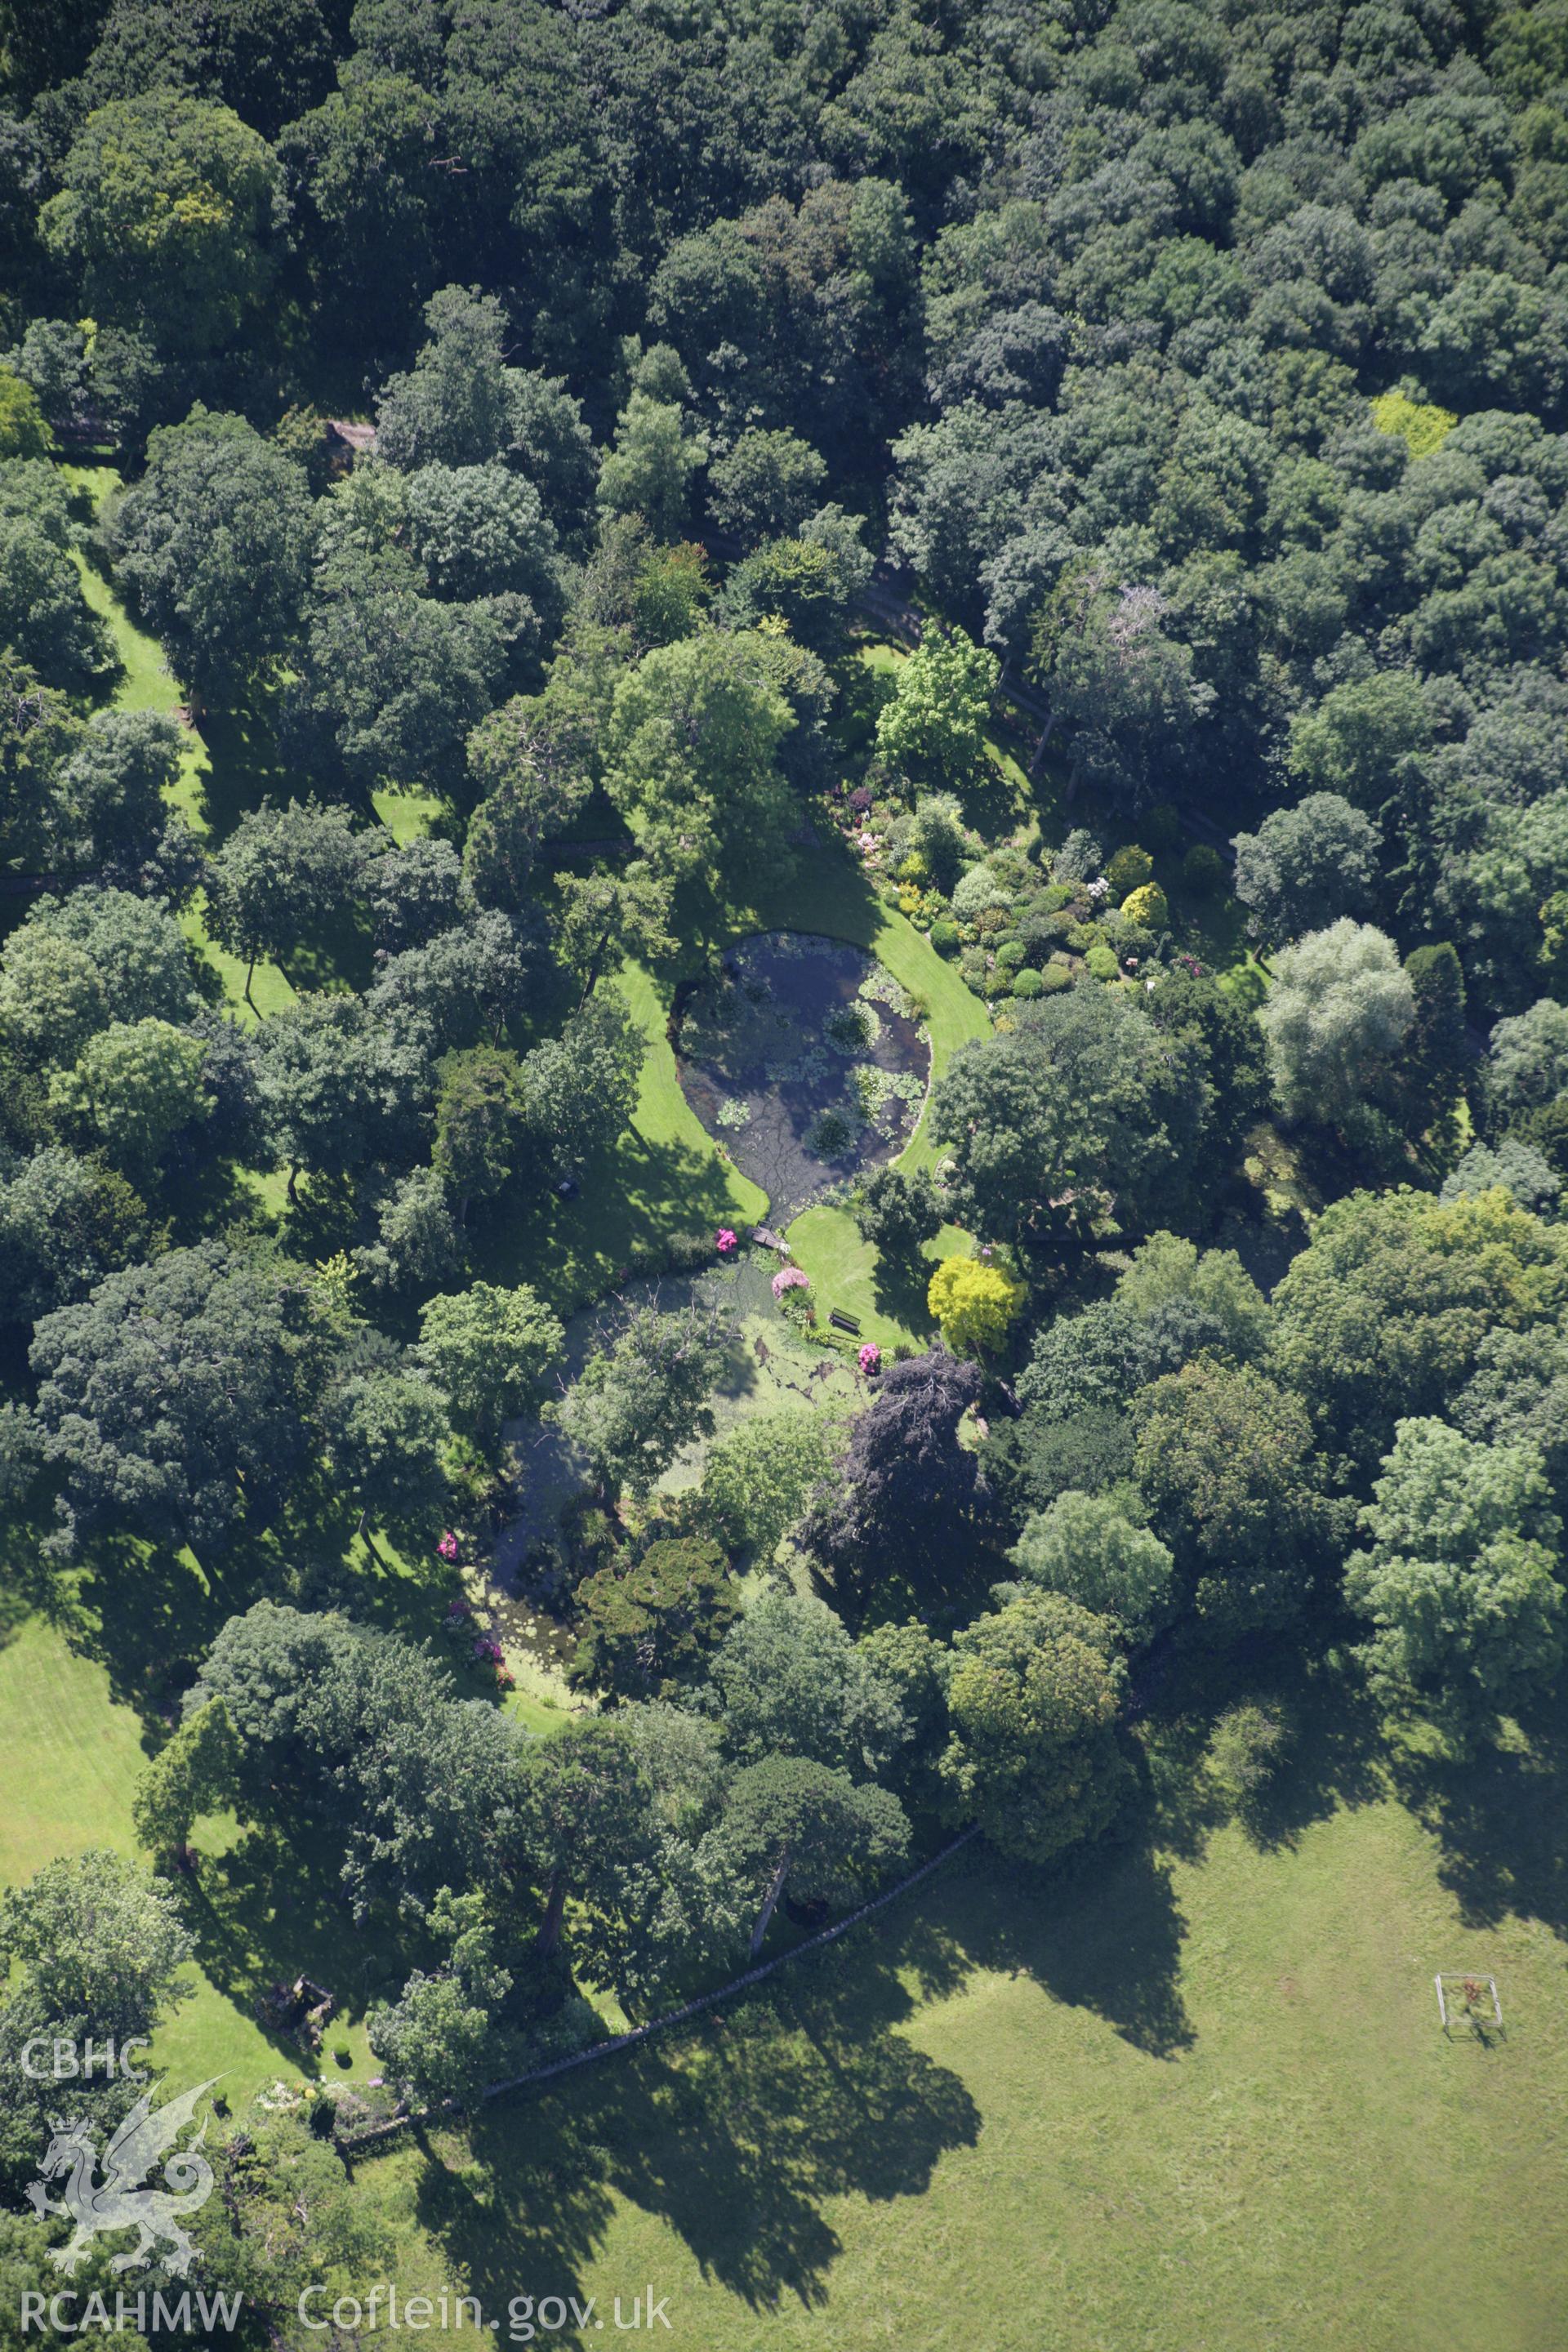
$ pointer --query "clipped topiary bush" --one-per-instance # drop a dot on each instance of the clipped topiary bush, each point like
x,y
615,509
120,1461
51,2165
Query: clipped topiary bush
x,y
1102,961
1030,982
1053,978
1147,906
1129,869
945,936
1010,954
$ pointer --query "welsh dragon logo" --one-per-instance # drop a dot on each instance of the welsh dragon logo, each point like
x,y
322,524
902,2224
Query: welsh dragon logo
x,y
119,2201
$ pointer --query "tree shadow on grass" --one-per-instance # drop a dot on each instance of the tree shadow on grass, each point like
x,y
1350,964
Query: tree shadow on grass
x,y
1337,1755
736,2136
204,1197
899,1291
1498,1815
1103,1932
146,1612
28,1587
1334,1751
245,768
628,1203
990,799
271,1908
862,693
327,1214
149,1614
739,2132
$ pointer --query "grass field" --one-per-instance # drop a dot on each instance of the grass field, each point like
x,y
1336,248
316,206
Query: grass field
x,y
70,1754
1193,2098
1190,2101
88,1678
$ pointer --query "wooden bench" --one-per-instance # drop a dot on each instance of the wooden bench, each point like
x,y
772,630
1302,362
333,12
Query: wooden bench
x,y
842,1322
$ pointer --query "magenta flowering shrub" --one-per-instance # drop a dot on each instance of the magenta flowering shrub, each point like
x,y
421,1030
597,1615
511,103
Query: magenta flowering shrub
x,y
789,1277
724,1241
870,1356
447,1548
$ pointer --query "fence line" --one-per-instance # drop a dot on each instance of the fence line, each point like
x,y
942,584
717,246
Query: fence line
x,y
698,2007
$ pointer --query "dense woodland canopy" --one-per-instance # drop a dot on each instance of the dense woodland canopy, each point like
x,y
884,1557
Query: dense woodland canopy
x,y
1197,376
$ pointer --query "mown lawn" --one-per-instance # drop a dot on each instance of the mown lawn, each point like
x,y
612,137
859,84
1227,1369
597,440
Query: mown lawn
x,y
1193,2102
1192,2098
91,1665
145,684
665,1175
70,1755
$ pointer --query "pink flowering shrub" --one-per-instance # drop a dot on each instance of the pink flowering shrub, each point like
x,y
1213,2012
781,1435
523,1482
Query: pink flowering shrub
x,y
789,1277
724,1241
457,1610
447,1547
490,1651
870,1358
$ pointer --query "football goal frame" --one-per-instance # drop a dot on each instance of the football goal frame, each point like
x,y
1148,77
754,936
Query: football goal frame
x,y
1461,1997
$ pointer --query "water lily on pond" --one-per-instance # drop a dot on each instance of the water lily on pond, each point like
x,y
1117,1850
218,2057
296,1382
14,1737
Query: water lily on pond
x,y
789,1277
870,1358
724,1241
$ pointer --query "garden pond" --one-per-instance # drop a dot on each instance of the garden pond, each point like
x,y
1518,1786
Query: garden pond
x,y
805,1061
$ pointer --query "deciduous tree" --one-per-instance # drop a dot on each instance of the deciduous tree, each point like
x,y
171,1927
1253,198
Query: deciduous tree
x,y
788,1681
908,1502
180,1397
96,1937
975,1303
1308,866
1034,1692
638,1401
1340,1008
170,214
932,727
1227,1459
1460,1579
215,542
794,1827
1088,1547
489,1350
